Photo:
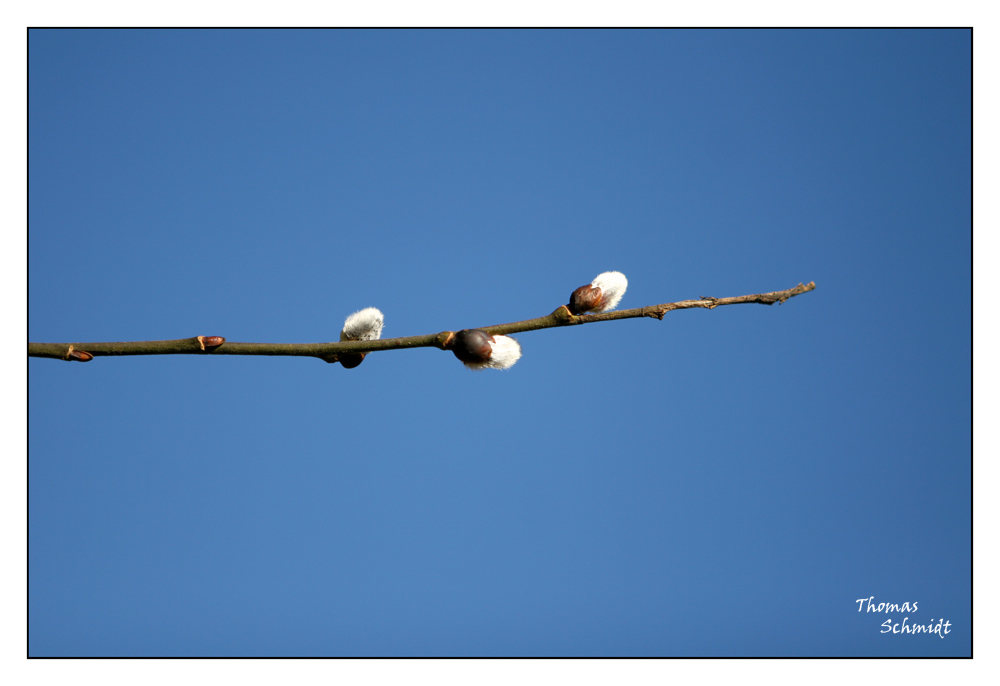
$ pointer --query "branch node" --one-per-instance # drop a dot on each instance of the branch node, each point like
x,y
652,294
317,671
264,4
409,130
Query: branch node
x,y
563,315
444,340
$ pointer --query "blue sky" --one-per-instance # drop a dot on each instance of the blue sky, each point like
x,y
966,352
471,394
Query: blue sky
x,y
719,483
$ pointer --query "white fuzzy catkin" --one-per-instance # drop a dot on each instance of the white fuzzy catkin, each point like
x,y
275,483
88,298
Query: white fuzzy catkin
x,y
612,285
364,325
506,351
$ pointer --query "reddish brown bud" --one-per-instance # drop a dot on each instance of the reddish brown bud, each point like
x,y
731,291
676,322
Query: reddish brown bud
x,y
207,342
472,345
584,299
79,356
351,360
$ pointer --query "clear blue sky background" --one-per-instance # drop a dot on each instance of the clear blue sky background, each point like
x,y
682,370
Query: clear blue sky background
x,y
722,482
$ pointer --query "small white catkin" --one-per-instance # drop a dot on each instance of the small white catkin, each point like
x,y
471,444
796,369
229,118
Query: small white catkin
x,y
364,325
505,351
612,285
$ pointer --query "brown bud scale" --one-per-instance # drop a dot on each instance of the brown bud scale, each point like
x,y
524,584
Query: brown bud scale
x,y
585,299
351,360
472,345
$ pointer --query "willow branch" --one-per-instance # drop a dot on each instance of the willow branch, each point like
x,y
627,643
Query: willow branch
x,y
214,345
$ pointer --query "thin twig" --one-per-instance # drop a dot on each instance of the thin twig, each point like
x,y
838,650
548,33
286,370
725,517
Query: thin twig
x,y
202,345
